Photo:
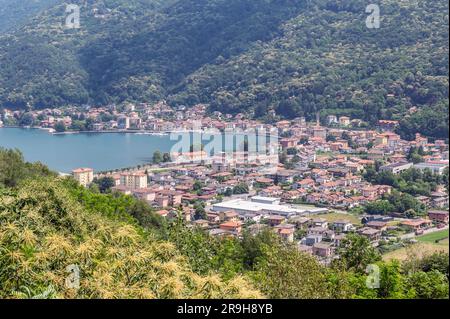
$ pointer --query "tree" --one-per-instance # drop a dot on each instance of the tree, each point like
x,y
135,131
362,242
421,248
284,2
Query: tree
x,y
379,207
228,192
284,272
60,127
26,119
200,212
428,285
197,185
166,158
157,157
330,138
242,188
357,253
13,168
104,183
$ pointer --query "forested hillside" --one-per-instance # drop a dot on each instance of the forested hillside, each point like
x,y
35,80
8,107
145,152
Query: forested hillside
x,y
14,13
296,57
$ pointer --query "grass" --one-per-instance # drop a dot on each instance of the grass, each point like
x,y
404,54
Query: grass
x,y
427,244
435,237
418,249
332,217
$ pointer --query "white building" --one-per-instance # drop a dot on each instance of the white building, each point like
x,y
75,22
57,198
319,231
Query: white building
x,y
436,167
396,168
133,180
263,206
84,176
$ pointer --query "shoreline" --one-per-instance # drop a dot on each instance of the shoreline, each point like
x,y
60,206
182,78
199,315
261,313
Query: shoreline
x,y
49,130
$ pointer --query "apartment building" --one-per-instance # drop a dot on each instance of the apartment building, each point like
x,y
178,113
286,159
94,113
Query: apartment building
x,y
84,176
133,180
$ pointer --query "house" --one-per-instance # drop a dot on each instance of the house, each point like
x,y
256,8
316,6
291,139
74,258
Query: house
x,y
372,234
173,196
417,224
202,223
438,216
319,222
286,233
162,212
322,250
274,220
213,218
439,199
145,194
228,216
344,121
310,240
342,226
250,217
306,183
338,239
234,227
300,222
380,225
317,231
332,119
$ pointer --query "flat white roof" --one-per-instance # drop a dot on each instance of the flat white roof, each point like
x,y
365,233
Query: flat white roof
x,y
257,207
265,198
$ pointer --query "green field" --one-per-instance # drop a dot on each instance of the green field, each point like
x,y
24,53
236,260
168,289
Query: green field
x,y
433,237
427,244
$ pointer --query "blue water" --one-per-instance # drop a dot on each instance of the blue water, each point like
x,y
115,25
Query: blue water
x,y
100,151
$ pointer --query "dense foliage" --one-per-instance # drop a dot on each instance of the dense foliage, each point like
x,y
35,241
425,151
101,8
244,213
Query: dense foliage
x,y
412,181
14,13
296,57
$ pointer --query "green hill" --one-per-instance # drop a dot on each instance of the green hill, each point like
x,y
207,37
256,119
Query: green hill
x,y
297,57
14,13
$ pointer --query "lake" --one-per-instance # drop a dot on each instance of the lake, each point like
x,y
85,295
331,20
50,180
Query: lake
x,y
100,151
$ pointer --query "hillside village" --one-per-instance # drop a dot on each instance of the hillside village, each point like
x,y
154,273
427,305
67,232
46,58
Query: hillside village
x,y
314,195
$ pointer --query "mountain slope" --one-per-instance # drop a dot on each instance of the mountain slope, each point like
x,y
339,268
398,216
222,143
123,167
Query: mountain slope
x,y
14,13
296,57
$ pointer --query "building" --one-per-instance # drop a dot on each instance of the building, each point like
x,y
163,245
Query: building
x,y
380,225
322,249
436,167
275,220
396,168
372,234
133,180
342,226
344,121
84,176
416,224
286,233
242,207
332,119
266,200
438,216
123,122
232,226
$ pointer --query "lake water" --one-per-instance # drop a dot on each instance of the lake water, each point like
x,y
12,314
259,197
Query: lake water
x,y
100,151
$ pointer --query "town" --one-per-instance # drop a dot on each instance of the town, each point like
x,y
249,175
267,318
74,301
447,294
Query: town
x,y
328,177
